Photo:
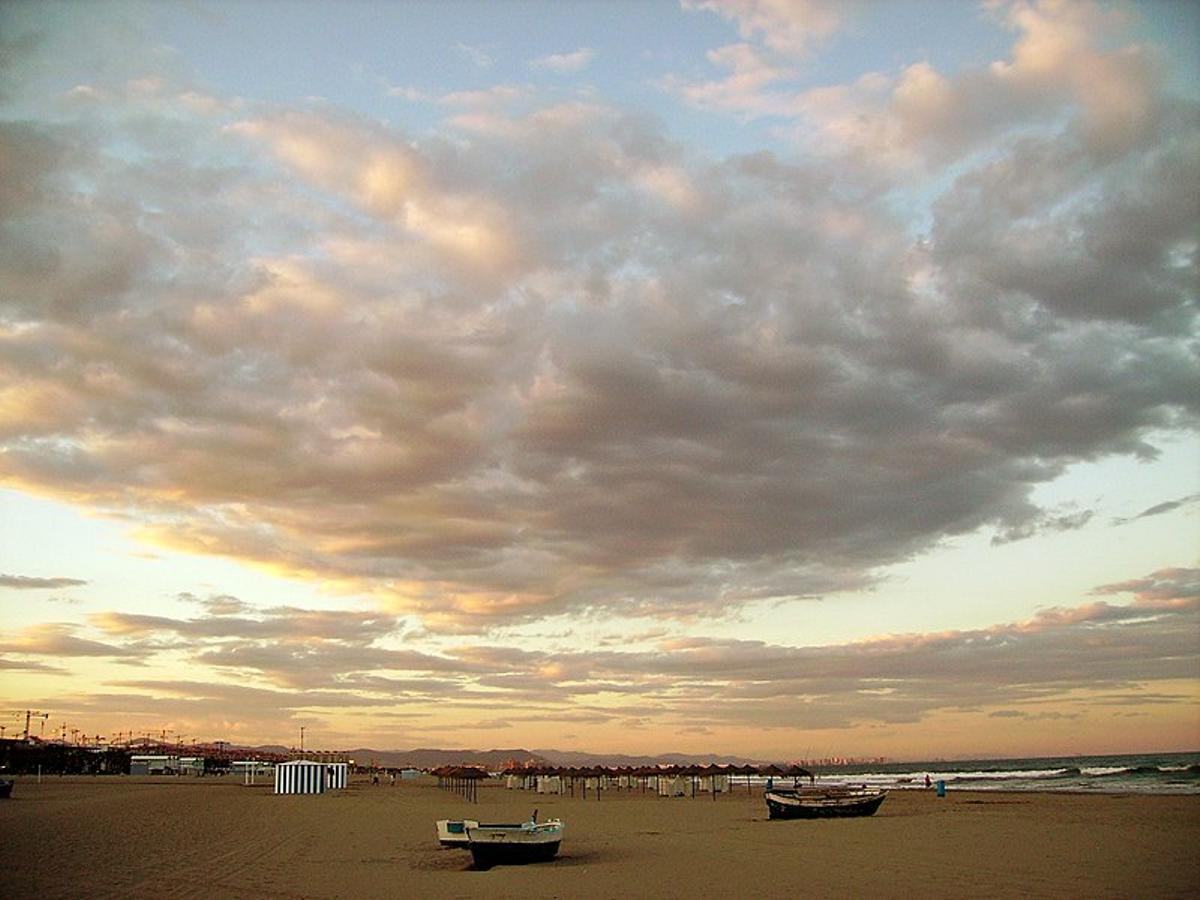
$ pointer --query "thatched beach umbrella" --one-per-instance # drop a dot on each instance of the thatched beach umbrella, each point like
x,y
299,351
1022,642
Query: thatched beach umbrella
x,y
587,772
746,770
711,771
796,772
692,773
623,773
769,772
460,779
644,774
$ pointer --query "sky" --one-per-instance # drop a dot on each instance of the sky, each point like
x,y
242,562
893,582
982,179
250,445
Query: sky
x,y
780,378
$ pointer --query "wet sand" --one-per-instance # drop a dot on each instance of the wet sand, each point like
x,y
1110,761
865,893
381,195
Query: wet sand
x,y
216,838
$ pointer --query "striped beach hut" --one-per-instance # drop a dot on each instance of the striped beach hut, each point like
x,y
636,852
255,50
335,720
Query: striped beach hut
x,y
337,775
301,776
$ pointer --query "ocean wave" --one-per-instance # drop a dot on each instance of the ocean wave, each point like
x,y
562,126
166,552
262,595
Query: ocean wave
x,y
1151,773
1007,774
1128,771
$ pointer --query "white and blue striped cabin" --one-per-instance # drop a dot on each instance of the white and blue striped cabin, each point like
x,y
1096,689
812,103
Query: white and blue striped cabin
x,y
337,775
300,776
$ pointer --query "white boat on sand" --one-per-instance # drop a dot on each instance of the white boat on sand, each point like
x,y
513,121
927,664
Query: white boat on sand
x,y
823,803
505,844
453,832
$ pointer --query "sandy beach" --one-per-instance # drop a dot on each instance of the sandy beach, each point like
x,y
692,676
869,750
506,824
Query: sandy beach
x,y
214,838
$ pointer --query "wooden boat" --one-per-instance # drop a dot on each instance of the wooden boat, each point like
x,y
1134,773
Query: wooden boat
x,y
532,841
823,803
453,832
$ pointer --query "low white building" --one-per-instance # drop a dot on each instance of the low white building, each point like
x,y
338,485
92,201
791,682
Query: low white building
x,y
153,765
249,769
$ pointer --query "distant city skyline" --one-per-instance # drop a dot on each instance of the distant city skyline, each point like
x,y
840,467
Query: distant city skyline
x,y
751,377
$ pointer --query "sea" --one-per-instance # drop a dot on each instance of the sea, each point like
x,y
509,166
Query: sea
x,y
1148,773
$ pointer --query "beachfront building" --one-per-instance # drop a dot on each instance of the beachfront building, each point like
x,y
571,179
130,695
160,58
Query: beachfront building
x,y
143,764
249,769
251,766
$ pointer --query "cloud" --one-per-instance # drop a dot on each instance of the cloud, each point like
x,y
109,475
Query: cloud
x,y
1059,663
544,358
1046,522
1159,509
787,26
564,63
58,639
482,56
292,647
218,605
27,665
406,92
919,118
1169,586
743,90
29,582
280,623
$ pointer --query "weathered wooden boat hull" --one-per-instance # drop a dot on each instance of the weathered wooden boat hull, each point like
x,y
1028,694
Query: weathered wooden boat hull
x,y
827,805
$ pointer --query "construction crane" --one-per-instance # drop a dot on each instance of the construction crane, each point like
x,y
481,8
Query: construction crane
x,y
30,714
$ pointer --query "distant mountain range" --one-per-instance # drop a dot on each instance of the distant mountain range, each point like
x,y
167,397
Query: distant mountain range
x,y
428,758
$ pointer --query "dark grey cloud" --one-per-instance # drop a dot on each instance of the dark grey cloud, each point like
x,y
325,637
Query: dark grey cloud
x,y
1047,522
1159,509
